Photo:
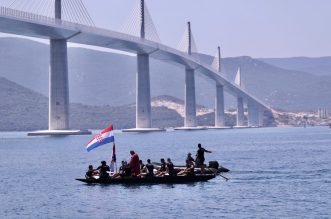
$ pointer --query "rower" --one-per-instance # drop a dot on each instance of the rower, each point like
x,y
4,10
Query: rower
x,y
103,170
148,170
163,168
91,173
170,168
189,170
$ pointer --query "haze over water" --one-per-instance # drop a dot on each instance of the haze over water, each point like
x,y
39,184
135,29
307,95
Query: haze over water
x,y
275,173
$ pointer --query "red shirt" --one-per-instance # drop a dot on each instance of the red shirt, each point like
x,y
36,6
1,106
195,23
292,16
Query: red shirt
x,y
134,163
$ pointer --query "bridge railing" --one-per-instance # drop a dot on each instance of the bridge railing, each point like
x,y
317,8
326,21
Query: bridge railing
x,y
9,12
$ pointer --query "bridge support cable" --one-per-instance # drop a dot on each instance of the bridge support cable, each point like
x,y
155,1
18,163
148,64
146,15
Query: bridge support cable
x,y
72,10
140,23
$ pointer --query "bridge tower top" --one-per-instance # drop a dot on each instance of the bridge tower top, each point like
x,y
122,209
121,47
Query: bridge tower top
x,y
238,79
189,35
142,19
219,59
58,9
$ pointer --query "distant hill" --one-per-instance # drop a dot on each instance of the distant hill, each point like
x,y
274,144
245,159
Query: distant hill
x,y
101,78
317,66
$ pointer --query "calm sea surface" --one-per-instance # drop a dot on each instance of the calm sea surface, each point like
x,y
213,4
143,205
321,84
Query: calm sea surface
x,y
275,173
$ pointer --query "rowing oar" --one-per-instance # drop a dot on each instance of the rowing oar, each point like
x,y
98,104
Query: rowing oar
x,y
226,179
215,172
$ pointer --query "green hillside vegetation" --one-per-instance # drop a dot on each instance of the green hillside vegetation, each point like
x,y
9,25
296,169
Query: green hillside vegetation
x,y
22,109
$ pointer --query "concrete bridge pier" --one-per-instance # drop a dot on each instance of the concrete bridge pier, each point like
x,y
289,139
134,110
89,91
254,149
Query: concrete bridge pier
x,y
58,86
143,95
190,107
261,117
240,112
253,114
219,107
58,113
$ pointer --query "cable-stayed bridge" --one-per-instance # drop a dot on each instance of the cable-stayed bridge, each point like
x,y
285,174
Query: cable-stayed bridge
x,y
63,21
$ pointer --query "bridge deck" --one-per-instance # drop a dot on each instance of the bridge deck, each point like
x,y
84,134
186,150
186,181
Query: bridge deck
x,y
27,24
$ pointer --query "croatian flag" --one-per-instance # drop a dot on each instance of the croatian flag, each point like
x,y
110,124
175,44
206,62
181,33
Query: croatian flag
x,y
104,137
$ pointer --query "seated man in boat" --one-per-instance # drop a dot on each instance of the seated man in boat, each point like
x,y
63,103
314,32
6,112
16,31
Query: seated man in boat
x,y
189,170
103,170
141,165
200,158
163,168
134,163
148,170
121,171
91,173
189,157
170,168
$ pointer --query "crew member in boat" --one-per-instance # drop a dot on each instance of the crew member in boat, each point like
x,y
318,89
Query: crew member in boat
x,y
141,165
170,168
103,170
134,163
189,158
200,157
124,170
91,173
148,170
163,168
189,170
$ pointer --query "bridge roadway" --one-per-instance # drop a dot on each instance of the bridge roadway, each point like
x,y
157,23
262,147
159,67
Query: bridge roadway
x,y
32,25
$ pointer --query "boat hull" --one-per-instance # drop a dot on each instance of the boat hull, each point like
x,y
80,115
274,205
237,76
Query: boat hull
x,y
151,180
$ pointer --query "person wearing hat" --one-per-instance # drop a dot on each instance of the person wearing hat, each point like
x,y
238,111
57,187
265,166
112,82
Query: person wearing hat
x,y
200,157
103,170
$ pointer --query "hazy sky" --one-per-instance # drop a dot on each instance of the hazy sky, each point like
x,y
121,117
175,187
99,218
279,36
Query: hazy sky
x,y
258,28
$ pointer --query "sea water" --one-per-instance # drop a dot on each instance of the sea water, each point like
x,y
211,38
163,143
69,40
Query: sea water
x,y
275,173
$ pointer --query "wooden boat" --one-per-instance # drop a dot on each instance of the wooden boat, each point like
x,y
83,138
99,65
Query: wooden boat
x,y
151,180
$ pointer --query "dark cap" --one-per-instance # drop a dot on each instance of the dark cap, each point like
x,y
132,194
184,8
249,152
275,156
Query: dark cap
x,y
103,162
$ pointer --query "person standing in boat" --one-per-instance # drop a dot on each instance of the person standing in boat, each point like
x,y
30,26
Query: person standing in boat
x,y
200,157
103,170
134,163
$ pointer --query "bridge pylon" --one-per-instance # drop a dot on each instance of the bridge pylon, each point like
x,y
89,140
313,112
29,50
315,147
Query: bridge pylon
x,y
219,98
143,92
190,104
58,114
